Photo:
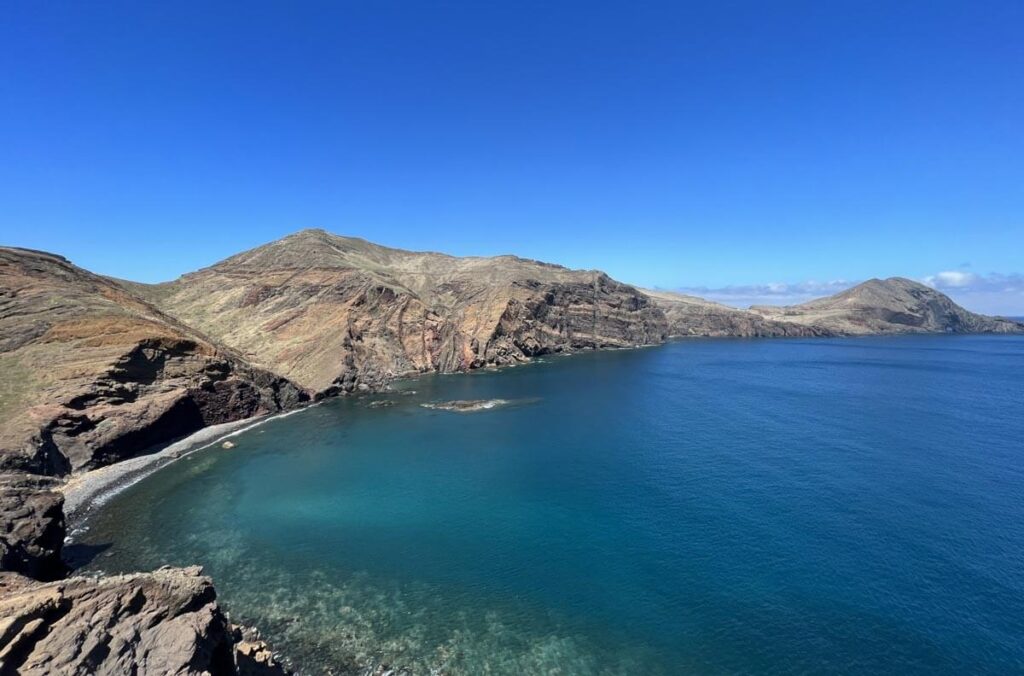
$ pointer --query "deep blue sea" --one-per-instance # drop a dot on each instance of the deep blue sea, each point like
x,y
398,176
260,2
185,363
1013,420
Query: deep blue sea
x,y
709,506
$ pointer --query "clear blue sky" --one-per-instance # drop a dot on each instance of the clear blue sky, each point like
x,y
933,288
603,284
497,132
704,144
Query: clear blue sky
x,y
672,144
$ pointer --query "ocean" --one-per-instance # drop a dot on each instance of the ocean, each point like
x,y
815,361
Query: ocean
x,y
708,506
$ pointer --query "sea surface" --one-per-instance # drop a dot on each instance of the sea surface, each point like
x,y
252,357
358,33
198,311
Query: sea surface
x,y
708,506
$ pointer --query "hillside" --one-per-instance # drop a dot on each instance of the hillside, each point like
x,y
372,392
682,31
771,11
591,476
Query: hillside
x,y
894,305
91,374
693,316
335,313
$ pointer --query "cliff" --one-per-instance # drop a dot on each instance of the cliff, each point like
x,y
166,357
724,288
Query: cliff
x,y
91,374
333,313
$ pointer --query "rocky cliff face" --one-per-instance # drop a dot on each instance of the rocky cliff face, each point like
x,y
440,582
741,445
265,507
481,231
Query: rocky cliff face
x,y
164,622
31,526
91,374
894,305
693,316
333,313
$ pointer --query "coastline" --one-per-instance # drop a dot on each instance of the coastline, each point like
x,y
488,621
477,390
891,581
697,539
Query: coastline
x,y
92,489
89,490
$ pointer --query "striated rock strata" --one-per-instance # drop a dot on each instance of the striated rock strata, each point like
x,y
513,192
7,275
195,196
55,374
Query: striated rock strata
x,y
91,374
335,313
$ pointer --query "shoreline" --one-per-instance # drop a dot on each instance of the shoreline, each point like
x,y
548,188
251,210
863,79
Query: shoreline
x,y
92,489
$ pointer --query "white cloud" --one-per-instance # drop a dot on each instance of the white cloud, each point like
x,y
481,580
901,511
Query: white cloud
x,y
993,293
951,279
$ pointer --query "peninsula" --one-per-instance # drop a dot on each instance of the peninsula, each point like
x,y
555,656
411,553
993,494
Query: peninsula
x,y
95,370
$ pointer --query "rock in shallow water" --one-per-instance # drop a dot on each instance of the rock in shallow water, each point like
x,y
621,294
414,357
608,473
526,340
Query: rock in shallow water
x,y
466,405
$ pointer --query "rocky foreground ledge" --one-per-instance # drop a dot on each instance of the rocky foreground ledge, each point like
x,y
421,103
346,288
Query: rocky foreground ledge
x,y
164,622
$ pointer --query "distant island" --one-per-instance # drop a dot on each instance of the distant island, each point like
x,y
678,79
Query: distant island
x,y
96,370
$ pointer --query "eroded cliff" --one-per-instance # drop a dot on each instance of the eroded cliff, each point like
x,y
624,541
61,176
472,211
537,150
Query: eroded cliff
x,y
91,374
333,313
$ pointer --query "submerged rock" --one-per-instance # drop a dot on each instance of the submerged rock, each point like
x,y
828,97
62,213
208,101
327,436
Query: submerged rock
x,y
466,405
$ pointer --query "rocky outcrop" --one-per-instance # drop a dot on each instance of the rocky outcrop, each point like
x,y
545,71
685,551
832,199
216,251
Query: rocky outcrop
x,y
693,316
337,314
164,622
881,306
91,374
31,526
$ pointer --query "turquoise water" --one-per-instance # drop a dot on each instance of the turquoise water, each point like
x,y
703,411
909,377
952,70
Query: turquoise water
x,y
779,506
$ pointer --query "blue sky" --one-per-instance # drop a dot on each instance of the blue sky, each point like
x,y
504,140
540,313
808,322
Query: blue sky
x,y
725,146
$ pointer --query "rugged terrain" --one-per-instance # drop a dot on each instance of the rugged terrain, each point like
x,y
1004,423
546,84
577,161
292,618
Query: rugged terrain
x,y
333,313
164,622
894,305
91,374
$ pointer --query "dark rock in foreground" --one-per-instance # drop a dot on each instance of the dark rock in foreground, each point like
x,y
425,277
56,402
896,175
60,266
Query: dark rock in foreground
x,y
164,622
31,526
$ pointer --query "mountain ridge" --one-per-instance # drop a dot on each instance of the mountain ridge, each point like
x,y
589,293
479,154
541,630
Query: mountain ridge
x,y
299,302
